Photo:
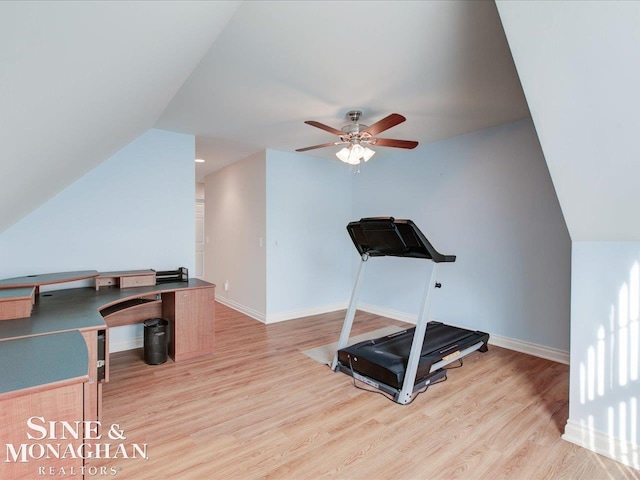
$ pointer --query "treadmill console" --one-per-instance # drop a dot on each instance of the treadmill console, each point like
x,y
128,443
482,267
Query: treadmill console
x,y
386,236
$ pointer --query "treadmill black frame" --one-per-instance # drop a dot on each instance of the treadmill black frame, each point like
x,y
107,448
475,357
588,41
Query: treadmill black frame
x,y
400,377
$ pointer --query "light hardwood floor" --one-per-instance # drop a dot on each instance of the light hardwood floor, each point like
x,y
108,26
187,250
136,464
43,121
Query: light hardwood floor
x,y
259,408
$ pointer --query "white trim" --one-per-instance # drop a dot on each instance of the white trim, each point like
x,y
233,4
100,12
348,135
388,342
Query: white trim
x,y
126,344
534,349
521,346
601,443
305,312
242,309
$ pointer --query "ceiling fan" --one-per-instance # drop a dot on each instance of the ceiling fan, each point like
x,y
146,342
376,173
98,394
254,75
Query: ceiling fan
x,y
359,137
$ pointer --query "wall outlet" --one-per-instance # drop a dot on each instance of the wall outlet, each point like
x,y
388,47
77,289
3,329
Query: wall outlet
x,y
226,285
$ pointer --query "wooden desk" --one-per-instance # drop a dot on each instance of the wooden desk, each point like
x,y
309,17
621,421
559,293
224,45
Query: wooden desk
x,y
29,363
41,376
70,323
189,307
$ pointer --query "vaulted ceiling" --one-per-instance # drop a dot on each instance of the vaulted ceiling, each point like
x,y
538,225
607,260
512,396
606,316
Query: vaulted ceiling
x,y
446,66
80,80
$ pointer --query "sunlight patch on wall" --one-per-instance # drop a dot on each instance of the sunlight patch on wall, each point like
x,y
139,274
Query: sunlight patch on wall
x,y
600,361
623,335
608,377
634,311
633,434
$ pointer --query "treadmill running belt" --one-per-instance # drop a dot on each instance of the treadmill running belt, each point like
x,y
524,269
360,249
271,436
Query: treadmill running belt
x,y
385,359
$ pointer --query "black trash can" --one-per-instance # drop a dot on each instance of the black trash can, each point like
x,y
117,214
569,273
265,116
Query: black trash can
x,y
155,341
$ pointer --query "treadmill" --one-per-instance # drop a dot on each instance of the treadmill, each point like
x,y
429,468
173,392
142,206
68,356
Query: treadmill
x,y
402,363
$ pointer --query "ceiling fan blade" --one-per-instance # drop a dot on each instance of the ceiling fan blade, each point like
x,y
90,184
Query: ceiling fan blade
x,y
385,124
316,146
388,142
329,129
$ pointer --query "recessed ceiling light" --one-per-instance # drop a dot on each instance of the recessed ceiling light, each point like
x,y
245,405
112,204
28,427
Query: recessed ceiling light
x,y
199,160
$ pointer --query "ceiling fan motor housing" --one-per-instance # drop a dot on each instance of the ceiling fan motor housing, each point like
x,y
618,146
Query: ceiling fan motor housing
x,y
353,115
354,127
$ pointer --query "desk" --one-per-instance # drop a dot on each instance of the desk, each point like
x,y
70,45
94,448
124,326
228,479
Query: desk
x,y
42,376
29,363
188,306
68,326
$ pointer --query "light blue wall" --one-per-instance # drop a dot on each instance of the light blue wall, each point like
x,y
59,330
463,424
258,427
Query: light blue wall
x,y
604,393
486,197
134,211
308,208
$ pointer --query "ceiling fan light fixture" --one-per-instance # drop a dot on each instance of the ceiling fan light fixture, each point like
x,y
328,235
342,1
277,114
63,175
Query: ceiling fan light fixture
x,y
368,153
354,154
357,150
343,154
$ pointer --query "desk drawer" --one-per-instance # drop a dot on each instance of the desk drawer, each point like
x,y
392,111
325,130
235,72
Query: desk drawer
x,y
106,282
16,307
138,281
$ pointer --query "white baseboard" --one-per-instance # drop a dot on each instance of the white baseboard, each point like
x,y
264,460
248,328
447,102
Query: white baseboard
x,y
536,350
126,344
521,346
601,443
249,312
283,316
305,312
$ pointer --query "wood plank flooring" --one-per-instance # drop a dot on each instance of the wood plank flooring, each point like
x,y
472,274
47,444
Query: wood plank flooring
x,y
259,408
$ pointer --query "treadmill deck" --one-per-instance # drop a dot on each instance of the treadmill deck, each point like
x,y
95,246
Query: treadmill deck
x,y
385,359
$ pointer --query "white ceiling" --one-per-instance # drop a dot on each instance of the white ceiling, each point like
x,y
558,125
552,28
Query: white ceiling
x,y
446,66
80,80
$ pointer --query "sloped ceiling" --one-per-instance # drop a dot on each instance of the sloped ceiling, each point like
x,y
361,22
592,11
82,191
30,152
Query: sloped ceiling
x,y
580,70
80,80
446,66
